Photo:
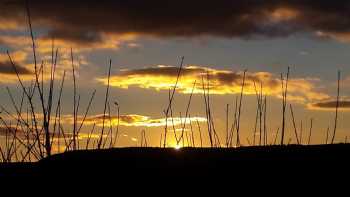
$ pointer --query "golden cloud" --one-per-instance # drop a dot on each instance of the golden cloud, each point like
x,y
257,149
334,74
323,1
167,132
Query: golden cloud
x,y
132,120
221,82
282,14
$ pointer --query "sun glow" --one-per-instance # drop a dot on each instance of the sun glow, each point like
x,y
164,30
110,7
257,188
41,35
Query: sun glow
x,y
177,147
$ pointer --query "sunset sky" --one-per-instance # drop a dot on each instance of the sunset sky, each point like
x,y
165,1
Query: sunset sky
x,y
145,41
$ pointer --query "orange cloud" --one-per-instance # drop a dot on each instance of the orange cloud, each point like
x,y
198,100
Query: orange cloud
x,y
6,24
282,14
330,105
132,120
19,56
221,82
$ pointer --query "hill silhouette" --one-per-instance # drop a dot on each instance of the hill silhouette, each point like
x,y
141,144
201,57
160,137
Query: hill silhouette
x,y
157,163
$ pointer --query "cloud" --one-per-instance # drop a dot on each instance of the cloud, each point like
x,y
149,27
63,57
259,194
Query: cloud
x,y
240,18
221,82
128,120
79,44
7,72
132,120
4,131
21,134
22,55
7,68
343,37
19,56
304,53
330,105
6,25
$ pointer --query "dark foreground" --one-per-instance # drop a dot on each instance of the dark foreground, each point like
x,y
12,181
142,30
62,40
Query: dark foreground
x,y
191,164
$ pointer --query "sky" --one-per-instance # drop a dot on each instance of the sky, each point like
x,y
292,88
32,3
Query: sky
x,y
146,40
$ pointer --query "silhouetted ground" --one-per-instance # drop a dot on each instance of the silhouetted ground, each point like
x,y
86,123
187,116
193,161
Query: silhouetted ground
x,y
192,163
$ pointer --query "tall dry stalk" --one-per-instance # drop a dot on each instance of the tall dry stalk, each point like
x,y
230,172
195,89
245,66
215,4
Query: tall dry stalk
x,y
284,104
207,110
265,126
29,96
143,139
74,102
187,113
200,133
336,110
58,113
301,132
192,133
89,136
327,135
256,121
227,133
240,110
118,124
259,112
309,138
40,88
105,106
275,140
293,120
234,124
171,101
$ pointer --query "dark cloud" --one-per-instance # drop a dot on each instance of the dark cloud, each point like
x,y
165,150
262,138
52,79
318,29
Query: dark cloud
x,y
76,36
7,68
331,104
170,71
84,21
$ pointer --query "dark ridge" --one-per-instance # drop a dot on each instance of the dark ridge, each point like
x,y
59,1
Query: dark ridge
x,y
143,163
